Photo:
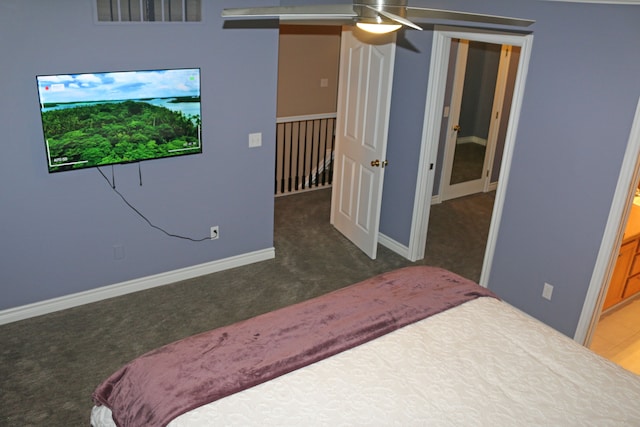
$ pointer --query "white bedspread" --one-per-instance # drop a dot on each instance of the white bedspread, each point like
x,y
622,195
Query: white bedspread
x,y
483,363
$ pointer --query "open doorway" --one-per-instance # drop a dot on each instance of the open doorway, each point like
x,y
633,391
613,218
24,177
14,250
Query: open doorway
x,y
438,72
431,132
308,63
617,333
480,85
613,237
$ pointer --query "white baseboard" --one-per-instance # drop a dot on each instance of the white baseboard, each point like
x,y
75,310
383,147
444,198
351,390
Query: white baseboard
x,y
472,140
436,199
130,286
396,247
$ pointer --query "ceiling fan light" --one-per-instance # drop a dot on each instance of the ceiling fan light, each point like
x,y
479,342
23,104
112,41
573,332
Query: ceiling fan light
x,y
378,28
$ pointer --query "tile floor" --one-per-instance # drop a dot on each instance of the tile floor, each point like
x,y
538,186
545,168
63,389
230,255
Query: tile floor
x,y
617,336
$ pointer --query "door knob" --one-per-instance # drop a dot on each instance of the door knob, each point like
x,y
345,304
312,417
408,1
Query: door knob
x,y
457,128
376,163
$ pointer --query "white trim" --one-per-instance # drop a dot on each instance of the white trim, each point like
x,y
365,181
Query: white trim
x,y
130,286
305,118
612,238
393,245
472,140
431,132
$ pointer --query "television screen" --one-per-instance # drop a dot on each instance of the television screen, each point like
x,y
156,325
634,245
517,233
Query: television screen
x,y
98,119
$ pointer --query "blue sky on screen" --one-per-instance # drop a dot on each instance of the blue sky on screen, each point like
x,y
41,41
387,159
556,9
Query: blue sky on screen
x,y
114,86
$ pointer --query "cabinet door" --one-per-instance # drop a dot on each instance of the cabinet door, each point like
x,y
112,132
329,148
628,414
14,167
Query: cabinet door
x,y
619,277
633,286
633,281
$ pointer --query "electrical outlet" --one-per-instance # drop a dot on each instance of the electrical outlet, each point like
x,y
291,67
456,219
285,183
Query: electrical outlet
x,y
547,291
215,232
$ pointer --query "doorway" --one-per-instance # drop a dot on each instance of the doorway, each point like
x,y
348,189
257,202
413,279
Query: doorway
x,y
481,87
613,235
442,37
438,71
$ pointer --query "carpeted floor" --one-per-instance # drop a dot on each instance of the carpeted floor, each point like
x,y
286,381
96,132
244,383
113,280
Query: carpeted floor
x,y
50,365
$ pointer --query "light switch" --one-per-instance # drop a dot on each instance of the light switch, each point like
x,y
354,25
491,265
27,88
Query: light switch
x,y
324,82
255,139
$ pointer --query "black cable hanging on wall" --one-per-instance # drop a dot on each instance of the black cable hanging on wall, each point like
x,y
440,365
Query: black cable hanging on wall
x,y
112,184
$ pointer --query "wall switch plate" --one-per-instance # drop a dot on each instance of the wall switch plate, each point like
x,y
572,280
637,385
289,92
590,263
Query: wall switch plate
x,y
547,291
324,82
255,139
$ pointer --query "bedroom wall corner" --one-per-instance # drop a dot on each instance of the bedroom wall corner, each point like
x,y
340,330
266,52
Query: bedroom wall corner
x,y
69,232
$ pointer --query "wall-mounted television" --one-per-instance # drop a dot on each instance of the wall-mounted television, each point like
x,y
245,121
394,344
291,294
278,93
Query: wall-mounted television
x,y
106,118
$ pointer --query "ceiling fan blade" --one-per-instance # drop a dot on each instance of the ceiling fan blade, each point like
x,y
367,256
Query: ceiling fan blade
x,y
451,15
396,18
316,12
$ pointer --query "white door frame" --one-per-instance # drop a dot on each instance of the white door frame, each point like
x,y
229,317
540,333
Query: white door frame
x,y
612,237
497,110
431,133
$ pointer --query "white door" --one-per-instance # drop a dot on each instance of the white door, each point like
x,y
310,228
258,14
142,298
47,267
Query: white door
x,y
476,104
364,98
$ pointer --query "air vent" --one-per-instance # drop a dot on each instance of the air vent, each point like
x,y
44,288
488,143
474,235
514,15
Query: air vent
x,y
149,10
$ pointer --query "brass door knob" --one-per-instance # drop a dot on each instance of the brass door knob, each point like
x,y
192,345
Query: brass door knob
x,y
457,128
376,163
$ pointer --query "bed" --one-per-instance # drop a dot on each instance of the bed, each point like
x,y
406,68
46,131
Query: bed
x,y
415,346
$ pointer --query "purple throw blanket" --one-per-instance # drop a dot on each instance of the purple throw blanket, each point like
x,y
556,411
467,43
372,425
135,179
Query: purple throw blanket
x,y
171,380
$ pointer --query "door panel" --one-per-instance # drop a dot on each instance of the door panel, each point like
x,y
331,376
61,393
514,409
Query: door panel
x,y
347,174
367,181
364,95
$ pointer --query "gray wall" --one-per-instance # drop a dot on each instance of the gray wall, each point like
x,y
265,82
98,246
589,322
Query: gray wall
x,y
581,93
405,133
59,231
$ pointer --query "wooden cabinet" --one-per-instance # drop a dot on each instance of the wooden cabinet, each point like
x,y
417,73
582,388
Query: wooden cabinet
x,y
616,292
633,281
625,281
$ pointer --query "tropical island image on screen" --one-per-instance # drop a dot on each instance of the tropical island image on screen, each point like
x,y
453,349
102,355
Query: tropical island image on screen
x,y
97,119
